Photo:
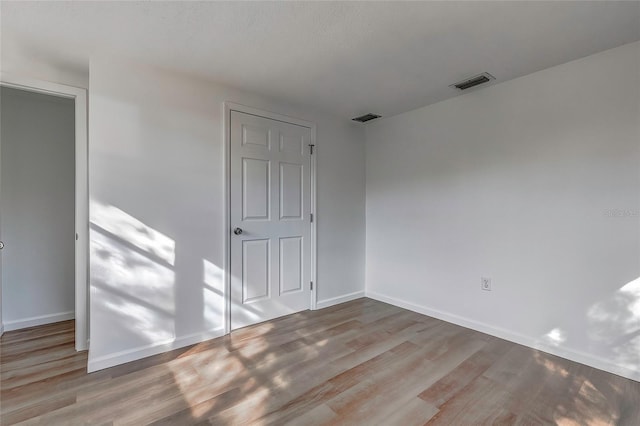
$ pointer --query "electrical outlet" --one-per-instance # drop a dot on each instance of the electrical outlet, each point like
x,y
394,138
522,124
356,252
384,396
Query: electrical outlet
x,y
485,283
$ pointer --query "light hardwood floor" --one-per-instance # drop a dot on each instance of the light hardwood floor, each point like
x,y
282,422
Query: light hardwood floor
x,y
362,362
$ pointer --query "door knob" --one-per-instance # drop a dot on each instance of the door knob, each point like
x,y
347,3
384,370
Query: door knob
x,y
237,231
1,245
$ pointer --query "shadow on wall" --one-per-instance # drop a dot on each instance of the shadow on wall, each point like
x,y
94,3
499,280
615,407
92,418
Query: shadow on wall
x,y
615,323
135,281
136,285
155,246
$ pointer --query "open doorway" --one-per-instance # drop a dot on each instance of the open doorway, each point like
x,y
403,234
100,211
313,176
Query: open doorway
x,y
43,192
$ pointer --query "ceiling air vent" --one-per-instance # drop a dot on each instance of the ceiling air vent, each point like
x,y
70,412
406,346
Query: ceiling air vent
x,y
366,117
485,77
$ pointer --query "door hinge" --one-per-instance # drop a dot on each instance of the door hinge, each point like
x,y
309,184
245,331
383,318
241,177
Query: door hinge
x,y
311,148
311,285
311,214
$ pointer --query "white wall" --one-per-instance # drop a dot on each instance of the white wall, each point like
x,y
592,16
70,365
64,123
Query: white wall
x,y
30,62
517,182
157,223
38,166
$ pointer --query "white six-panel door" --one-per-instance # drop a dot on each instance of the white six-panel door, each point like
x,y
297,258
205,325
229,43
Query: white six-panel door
x,y
270,219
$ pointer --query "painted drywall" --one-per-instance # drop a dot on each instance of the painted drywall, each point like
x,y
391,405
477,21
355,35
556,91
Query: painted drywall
x,y
156,168
28,61
38,198
534,183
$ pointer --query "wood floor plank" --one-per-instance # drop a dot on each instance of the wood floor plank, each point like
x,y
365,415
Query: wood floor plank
x,y
68,384
320,415
449,386
37,357
41,372
31,333
414,412
479,403
361,362
384,393
34,410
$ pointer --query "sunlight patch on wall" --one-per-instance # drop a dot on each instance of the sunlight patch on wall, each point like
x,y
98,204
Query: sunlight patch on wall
x,y
131,230
115,266
555,337
615,323
632,292
132,274
212,294
138,319
623,309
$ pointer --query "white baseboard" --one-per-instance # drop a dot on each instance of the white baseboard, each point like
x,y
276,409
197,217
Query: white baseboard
x,y
39,320
570,354
340,299
140,352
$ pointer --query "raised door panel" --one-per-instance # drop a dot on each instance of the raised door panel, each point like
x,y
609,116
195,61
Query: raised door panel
x,y
255,270
293,143
256,189
256,137
291,187
291,257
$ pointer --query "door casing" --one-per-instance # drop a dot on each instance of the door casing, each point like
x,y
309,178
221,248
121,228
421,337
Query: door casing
x,y
226,128
81,190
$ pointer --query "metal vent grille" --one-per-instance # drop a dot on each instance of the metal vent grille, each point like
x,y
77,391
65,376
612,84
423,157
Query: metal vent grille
x,y
473,81
366,117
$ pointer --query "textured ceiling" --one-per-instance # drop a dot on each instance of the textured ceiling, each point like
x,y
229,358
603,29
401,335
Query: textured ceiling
x,y
348,58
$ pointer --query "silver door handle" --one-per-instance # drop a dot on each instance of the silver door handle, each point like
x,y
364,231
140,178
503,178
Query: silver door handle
x,y
1,245
237,231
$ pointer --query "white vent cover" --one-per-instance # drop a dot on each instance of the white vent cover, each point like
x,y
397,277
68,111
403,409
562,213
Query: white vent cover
x,y
485,77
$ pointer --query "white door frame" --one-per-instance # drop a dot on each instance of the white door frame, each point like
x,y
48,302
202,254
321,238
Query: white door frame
x,y
81,190
226,128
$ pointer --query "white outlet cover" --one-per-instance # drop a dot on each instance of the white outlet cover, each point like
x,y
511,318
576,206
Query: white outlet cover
x,y
485,283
